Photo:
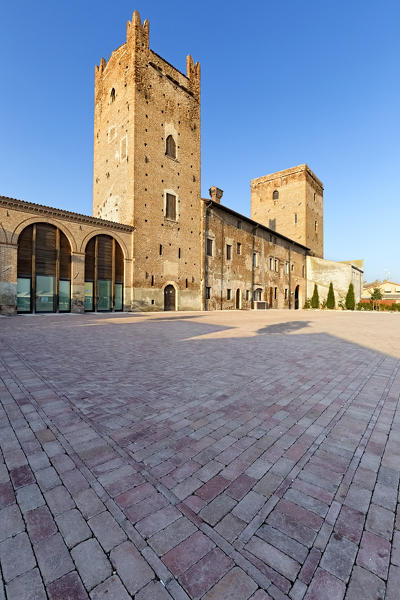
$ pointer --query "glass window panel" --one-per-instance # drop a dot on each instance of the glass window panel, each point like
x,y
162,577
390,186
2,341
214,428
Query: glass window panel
x,y
118,296
88,295
23,294
104,294
44,293
64,295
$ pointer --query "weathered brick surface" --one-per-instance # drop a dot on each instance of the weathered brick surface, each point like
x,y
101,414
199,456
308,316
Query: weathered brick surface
x,y
91,562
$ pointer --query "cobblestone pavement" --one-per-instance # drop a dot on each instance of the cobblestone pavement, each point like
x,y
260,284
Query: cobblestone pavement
x,y
228,455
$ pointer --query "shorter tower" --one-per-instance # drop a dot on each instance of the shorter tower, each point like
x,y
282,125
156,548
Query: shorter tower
x,y
291,203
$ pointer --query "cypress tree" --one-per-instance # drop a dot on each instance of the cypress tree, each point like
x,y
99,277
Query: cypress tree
x,y
330,301
315,298
350,299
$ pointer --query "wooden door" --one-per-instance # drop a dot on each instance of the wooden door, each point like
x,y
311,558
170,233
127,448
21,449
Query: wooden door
x,y
169,297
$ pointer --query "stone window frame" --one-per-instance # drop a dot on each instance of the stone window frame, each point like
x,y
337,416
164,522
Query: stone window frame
x,y
177,212
169,129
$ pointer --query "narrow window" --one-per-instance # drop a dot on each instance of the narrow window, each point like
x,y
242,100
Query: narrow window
x,y
152,300
275,195
209,247
147,275
228,294
170,147
271,263
239,224
275,293
292,267
255,259
228,252
276,265
112,95
186,283
238,248
152,280
287,268
208,293
316,225
286,293
247,295
170,207
295,218
179,255
160,249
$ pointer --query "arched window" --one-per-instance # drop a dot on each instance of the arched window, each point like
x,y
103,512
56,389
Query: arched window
x,y
275,195
170,147
44,270
104,274
257,296
112,95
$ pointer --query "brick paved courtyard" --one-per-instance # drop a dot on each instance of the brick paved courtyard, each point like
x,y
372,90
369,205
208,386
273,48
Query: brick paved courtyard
x,y
229,455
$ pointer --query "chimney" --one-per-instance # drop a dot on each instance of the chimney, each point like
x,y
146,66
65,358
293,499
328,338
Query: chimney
x,y
215,194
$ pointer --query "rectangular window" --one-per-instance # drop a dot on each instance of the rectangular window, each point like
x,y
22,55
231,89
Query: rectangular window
x,y
239,224
209,247
186,283
271,263
104,294
160,249
275,293
228,252
45,293
255,259
228,294
179,252
24,294
170,207
152,280
208,293
295,218
292,267
238,248
286,293
64,295
287,268
276,265
247,295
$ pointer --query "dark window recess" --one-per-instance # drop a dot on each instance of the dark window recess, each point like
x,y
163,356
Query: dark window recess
x,y
160,249
170,147
152,301
186,283
152,280
238,248
247,294
275,293
25,253
104,257
179,254
228,252
209,247
170,208
239,224
112,95
208,293
275,195
228,294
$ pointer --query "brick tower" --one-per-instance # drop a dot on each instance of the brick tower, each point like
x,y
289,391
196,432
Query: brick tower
x,y
147,167
291,203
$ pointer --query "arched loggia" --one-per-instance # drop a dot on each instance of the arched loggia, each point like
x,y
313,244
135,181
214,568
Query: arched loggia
x,y
104,275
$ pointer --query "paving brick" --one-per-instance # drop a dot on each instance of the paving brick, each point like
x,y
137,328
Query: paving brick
x,y
188,552
28,586
47,478
110,589
230,527
235,585
307,502
240,486
29,497
339,557
380,521
16,556
171,536
53,558
273,557
249,506
212,488
350,524
385,496
302,515
154,590
40,523
140,510
209,470
135,494
68,587
21,476
283,542
198,579
290,526
157,521
217,508
395,558
364,585
358,498
10,521
393,584
325,585
131,567
59,500
298,590
374,554
195,503
107,530
73,527
92,564
88,503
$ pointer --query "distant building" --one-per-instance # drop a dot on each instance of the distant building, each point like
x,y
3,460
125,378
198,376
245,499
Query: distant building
x,y
389,289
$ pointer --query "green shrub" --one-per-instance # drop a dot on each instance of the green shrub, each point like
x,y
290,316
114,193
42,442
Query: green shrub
x,y
315,298
330,301
350,299
307,303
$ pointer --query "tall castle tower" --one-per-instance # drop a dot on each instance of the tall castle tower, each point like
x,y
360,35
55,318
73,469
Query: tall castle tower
x,y
291,203
147,166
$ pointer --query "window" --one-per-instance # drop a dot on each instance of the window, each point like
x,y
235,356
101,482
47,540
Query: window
x,y
209,247
179,254
247,295
208,293
160,249
316,225
295,218
292,267
286,291
228,252
112,95
170,207
276,265
170,147
271,263
275,195
257,295
287,268
255,259
238,248
186,283
152,280
275,293
228,294
112,134
239,224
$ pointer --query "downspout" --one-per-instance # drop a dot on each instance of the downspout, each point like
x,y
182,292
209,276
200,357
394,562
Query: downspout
x,y
290,279
222,261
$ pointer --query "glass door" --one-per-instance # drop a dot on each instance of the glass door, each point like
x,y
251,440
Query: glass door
x,y
89,306
104,294
45,293
64,295
24,294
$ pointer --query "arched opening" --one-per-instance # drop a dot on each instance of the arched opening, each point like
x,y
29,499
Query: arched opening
x,y
275,195
257,296
170,147
169,297
238,300
112,95
104,275
297,297
44,270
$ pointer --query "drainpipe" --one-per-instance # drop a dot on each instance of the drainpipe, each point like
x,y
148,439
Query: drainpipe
x,y
290,279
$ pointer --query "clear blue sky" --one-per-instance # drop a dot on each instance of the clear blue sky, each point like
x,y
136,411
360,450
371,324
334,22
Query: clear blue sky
x,y
283,82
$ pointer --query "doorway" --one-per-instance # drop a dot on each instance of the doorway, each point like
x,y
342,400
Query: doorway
x,y
169,297
297,297
238,300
